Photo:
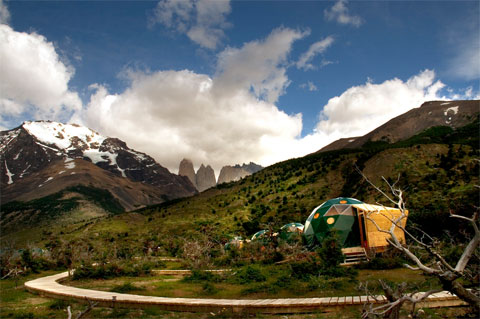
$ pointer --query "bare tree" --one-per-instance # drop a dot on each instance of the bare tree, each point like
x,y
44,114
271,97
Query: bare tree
x,y
84,312
449,275
396,296
197,253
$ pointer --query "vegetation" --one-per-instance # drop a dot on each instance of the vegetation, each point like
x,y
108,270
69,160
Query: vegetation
x,y
438,173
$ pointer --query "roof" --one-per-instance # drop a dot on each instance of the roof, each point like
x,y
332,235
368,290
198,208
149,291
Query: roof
x,y
373,208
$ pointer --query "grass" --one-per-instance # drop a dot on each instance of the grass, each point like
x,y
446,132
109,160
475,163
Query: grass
x,y
18,303
276,285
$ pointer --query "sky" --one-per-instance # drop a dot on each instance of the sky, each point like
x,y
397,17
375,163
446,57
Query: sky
x,y
228,82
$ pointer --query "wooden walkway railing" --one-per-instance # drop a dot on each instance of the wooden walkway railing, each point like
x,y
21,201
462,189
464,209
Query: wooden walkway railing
x,y
50,286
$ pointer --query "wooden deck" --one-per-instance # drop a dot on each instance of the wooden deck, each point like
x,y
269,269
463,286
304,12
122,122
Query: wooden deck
x,y
51,287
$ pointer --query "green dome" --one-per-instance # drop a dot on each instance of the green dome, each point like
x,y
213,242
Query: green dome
x,y
337,214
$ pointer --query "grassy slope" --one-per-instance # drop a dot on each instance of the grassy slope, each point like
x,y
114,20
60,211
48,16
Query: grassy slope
x,y
436,177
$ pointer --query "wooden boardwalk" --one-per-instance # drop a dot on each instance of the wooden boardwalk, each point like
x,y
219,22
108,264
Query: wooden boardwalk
x,y
51,286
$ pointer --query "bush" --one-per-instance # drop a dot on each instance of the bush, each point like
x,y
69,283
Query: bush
x,y
105,271
59,304
209,289
330,251
380,263
249,274
304,269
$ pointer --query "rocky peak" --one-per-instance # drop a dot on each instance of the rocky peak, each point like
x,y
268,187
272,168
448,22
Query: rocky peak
x,y
33,146
205,178
186,169
231,173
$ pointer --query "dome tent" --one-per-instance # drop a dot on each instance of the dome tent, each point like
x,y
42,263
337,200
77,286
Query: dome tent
x,y
335,214
260,234
287,230
349,217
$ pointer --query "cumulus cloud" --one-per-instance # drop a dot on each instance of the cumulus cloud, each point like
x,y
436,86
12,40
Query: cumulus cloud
x,y
363,108
316,48
34,79
227,119
340,13
176,114
259,66
203,21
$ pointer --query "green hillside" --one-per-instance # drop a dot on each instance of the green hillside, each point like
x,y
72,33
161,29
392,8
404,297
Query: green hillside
x,y
437,168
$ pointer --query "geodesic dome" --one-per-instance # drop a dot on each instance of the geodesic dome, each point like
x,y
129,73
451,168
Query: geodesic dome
x,y
338,214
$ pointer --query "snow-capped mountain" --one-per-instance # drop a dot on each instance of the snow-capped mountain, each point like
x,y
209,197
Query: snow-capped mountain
x,y
34,146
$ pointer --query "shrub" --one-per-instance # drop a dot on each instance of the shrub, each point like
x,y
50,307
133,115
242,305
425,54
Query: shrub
x,y
304,269
59,304
209,289
105,271
249,274
330,251
200,276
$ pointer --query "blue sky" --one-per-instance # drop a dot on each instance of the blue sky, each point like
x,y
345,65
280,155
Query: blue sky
x,y
225,82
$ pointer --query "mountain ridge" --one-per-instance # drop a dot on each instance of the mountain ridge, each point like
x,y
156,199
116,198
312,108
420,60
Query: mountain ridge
x,y
432,113
34,146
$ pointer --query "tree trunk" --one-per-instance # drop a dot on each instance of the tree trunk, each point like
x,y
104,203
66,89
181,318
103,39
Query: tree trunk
x,y
456,288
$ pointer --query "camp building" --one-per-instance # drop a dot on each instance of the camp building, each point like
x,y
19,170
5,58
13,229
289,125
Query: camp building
x,y
357,233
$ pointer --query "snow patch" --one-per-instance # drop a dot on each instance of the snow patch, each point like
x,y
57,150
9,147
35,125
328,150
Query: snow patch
x,y
70,165
45,146
445,103
21,175
61,135
454,109
350,141
97,156
9,174
48,179
11,136
61,172
16,156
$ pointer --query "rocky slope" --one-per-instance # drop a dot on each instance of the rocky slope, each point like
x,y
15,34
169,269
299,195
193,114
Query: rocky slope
x,y
237,172
36,149
205,176
435,113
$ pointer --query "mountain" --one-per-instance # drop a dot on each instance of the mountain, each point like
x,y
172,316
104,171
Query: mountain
x,y
438,170
234,173
186,169
43,157
434,113
205,178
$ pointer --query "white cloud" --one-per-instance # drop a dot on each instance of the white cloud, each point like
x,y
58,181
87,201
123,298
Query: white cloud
x,y
223,120
4,13
259,66
340,13
309,85
34,79
315,48
203,21
176,114
361,109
